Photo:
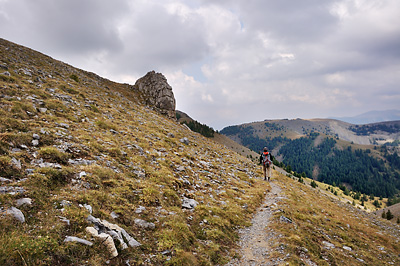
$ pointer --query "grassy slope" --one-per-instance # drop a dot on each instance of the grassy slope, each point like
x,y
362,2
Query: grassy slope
x,y
136,163
319,216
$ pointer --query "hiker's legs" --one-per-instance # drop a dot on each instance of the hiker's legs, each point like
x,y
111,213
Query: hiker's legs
x,y
269,172
264,171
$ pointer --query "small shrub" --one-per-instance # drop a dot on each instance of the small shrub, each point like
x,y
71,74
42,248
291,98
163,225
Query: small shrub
x,y
105,125
53,155
11,123
21,110
3,148
56,178
313,184
7,168
69,90
94,108
74,77
6,78
150,196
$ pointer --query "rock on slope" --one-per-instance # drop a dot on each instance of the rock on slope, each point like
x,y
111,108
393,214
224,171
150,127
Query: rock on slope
x,y
156,92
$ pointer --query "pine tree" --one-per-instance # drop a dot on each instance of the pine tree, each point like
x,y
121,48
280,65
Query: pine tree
x,y
313,184
389,215
383,214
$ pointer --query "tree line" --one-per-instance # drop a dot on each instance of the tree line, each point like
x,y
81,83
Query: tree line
x,y
355,168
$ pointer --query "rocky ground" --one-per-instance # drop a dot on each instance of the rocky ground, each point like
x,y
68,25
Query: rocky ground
x,y
258,241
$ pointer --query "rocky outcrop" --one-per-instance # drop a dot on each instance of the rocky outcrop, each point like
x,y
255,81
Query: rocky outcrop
x,y
156,92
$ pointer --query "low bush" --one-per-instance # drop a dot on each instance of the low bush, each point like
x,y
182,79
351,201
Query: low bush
x,y
56,177
53,155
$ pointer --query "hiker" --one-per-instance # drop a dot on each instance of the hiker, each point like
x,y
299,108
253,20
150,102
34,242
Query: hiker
x,y
266,161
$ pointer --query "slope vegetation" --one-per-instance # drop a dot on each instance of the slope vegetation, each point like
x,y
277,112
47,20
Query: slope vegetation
x,y
81,151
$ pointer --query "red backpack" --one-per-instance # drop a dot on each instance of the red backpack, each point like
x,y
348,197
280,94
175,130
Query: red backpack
x,y
266,159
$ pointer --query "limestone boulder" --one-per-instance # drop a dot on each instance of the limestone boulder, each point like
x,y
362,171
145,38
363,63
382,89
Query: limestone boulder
x,y
156,92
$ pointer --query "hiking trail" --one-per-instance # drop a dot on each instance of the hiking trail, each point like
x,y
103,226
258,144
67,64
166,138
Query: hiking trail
x,y
257,241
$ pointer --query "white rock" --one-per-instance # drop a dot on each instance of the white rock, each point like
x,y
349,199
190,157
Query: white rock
x,y
144,224
106,239
114,215
16,213
16,163
82,174
140,209
189,203
23,201
347,248
77,239
328,245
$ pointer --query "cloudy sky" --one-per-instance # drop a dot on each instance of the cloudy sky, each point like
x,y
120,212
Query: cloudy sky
x,y
228,61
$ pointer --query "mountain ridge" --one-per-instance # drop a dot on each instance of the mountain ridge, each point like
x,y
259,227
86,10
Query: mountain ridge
x,y
372,117
336,128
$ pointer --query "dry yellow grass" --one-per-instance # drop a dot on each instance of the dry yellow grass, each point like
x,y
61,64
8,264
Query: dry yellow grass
x,y
327,231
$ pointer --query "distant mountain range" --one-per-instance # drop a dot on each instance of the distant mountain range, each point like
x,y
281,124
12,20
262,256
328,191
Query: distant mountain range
x,y
362,157
366,134
372,117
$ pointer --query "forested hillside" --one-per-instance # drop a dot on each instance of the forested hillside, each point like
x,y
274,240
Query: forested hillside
x,y
331,164
316,150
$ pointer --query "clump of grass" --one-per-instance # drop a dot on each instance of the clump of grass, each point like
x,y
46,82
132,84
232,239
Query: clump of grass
x,y
7,168
95,109
8,124
105,125
69,89
150,196
53,155
4,148
74,77
22,110
16,139
103,173
115,152
6,78
22,248
175,234
57,177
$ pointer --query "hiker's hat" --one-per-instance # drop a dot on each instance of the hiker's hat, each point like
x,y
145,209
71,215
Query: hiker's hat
x,y
265,149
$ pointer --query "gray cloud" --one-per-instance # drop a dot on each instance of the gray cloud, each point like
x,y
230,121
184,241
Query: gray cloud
x,y
67,26
227,60
155,38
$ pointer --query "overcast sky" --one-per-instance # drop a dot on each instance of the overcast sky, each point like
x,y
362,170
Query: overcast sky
x,y
228,61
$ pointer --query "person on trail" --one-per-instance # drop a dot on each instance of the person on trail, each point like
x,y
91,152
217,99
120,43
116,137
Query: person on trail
x,y
266,161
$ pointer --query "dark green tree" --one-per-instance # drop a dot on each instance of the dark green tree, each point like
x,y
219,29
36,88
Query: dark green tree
x,y
389,215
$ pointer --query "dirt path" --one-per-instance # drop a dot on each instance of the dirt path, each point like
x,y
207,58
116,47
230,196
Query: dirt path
x,y
257,240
